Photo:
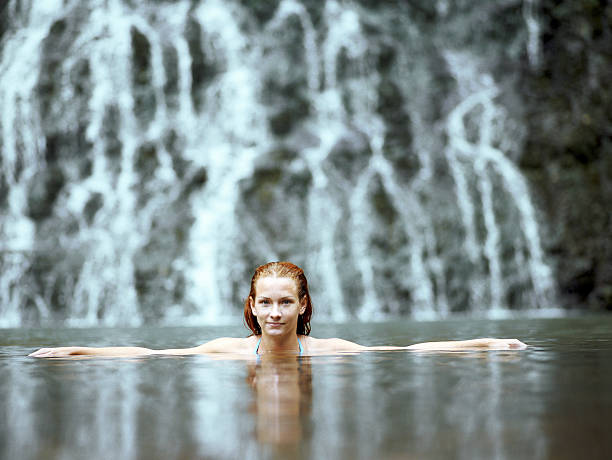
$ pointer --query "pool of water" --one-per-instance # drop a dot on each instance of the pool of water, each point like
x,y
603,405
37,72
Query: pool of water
x,y
551,401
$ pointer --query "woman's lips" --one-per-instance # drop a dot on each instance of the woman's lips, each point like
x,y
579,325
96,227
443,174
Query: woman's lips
x,y
275,324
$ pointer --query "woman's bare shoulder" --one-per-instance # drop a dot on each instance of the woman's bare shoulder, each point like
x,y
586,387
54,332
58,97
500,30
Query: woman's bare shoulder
x,y
229,345
314,345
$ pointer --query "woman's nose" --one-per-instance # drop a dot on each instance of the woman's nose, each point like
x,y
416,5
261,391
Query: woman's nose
x,y
275,310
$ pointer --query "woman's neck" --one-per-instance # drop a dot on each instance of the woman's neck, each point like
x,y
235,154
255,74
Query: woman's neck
x,y
279,344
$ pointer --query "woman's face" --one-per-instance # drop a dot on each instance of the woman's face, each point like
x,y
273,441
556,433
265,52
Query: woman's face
x,y
276,305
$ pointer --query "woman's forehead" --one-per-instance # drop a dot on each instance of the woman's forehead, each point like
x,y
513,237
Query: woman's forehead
x,y
272,285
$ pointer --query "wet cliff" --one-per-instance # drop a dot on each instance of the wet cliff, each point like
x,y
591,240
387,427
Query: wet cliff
x,y
568,150
417,158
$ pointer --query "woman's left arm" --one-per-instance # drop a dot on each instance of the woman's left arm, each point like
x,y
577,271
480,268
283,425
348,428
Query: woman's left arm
x,y
470,345
340,345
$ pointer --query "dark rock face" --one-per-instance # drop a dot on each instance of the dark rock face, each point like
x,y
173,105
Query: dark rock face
x,y
44,189
273,198
349,156
398,138
203,68
144,97
568,151
374,143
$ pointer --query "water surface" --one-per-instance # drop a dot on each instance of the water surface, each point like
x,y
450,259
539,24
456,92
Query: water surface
x,y
549,401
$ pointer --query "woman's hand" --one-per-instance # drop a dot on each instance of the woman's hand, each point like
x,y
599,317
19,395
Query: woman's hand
x,y
59,352
500,344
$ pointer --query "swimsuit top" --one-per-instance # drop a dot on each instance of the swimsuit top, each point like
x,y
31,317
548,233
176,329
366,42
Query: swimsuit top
x,y
299,343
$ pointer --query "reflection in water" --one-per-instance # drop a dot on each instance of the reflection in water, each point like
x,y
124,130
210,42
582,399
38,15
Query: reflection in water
x,y
551,401
283,396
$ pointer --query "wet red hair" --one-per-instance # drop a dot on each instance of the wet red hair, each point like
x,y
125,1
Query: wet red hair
x,y
280,270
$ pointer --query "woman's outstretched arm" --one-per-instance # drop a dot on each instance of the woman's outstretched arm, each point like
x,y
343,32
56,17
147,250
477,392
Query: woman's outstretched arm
x,y
341,345
228,345
468,345
63,352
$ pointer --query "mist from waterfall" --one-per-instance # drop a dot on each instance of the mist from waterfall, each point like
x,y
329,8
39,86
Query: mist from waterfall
x,y
154,154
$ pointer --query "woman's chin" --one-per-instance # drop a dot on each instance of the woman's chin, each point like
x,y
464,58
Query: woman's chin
x,y
276,330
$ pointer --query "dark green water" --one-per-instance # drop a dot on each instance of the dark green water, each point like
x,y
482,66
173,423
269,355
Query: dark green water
x,y
551,401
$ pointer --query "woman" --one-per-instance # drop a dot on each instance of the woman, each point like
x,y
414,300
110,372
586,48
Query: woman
x,y
278,311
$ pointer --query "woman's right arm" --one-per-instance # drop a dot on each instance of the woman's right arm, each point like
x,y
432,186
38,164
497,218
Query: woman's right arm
x,y
222,345
63,352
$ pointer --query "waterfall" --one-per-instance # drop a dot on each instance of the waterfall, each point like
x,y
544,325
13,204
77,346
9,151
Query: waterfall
x,y
534,46
154,155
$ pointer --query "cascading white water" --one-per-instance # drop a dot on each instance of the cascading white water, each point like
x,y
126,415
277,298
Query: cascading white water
x,y
534,46
21,156
487,161
211,140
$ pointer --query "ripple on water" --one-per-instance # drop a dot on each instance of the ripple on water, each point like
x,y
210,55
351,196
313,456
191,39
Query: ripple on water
x,y
503,404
